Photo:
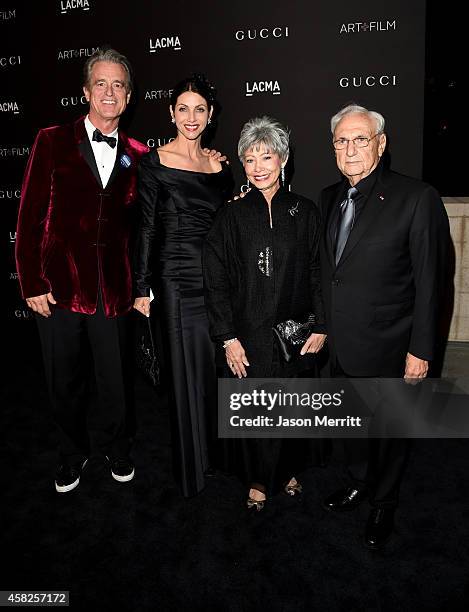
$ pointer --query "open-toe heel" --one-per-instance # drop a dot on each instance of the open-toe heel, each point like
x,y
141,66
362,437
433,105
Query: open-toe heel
x,y
293,489
255,505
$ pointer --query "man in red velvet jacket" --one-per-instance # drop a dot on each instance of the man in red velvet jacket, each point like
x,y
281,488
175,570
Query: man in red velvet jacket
x,y
73,263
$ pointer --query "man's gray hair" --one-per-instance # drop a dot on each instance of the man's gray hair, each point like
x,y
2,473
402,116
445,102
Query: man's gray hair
x,y
106,54
267,131
356,109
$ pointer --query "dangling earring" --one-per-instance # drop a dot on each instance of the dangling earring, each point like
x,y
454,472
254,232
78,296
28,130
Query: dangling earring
x,y
173,120
282,175
209,121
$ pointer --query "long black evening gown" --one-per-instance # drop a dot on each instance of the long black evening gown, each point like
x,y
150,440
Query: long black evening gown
x,y
177,210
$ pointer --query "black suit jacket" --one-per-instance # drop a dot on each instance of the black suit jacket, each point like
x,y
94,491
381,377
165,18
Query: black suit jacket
x,y
381,300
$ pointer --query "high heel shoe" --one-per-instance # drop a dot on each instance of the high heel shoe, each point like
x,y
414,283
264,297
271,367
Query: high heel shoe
x,y
254,504
293,489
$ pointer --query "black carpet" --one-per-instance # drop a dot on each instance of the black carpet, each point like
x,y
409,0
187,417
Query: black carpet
x,y
141,546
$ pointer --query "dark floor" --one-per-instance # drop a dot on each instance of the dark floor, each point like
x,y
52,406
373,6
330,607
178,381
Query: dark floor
x,y
140,546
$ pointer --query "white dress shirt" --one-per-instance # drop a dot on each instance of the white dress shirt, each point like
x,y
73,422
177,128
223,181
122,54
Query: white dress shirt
x,y
104,155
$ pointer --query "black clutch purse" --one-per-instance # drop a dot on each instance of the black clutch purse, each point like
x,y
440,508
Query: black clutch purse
x,y
146,355
292,334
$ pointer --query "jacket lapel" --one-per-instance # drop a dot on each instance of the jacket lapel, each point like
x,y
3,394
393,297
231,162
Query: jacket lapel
x,y
117,165
87,152
85,149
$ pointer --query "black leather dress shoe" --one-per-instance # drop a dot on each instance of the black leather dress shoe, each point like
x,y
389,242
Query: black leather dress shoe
x,y
379,527
345,499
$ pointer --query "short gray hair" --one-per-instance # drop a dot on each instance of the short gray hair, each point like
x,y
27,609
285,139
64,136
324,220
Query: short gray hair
x,y
267,131
106,54
355,109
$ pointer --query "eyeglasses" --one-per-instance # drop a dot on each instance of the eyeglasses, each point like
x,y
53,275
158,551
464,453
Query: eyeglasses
x,y
360,142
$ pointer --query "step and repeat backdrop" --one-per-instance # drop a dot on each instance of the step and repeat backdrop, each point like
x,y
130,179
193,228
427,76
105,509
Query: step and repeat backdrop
x,y
297,61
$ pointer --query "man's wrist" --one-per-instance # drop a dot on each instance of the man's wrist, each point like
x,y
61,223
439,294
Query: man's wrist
x,y
227,343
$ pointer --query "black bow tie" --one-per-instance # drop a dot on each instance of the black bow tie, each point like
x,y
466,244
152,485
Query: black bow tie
x,y
98,136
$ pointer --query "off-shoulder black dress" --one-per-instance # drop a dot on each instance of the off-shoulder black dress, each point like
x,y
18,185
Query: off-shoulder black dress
x,y
177,208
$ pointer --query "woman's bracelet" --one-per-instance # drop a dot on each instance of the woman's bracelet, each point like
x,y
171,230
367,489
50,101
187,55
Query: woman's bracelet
x,y
228,342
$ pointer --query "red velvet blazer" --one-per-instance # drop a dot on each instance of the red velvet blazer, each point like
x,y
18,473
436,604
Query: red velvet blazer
x,y
73,235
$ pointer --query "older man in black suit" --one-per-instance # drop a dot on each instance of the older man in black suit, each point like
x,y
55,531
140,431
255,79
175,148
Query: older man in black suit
x,y
382,260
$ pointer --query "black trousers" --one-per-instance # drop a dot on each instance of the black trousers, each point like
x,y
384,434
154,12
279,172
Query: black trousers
x,y
377,464
74,345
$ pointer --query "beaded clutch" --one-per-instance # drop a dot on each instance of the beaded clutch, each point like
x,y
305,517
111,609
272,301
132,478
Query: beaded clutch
x,y
292,334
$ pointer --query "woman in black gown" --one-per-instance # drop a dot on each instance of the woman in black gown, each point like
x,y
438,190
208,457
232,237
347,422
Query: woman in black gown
x,y
261,267
181,188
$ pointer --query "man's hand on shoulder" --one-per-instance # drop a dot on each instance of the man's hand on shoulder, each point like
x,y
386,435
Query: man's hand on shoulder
x,y
40,304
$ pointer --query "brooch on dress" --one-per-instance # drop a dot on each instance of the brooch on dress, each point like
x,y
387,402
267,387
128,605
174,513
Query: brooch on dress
x,y
294,209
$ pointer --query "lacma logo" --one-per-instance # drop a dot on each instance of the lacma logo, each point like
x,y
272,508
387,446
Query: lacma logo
x,y
9,107
69,5
367,26
255,87
165,42
252,34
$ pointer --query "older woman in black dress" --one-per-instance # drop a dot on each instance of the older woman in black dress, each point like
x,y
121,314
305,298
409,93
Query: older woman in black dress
x,y
181,188
260,268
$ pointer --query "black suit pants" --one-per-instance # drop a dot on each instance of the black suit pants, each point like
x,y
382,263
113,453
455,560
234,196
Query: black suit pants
x,y
74,346
377,464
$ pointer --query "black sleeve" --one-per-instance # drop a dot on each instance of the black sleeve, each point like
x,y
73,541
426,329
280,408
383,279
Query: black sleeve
x,y
216,278
315,272
429,240
148,190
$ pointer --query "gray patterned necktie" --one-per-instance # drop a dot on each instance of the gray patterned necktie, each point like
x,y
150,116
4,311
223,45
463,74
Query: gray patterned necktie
x,y
347,216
